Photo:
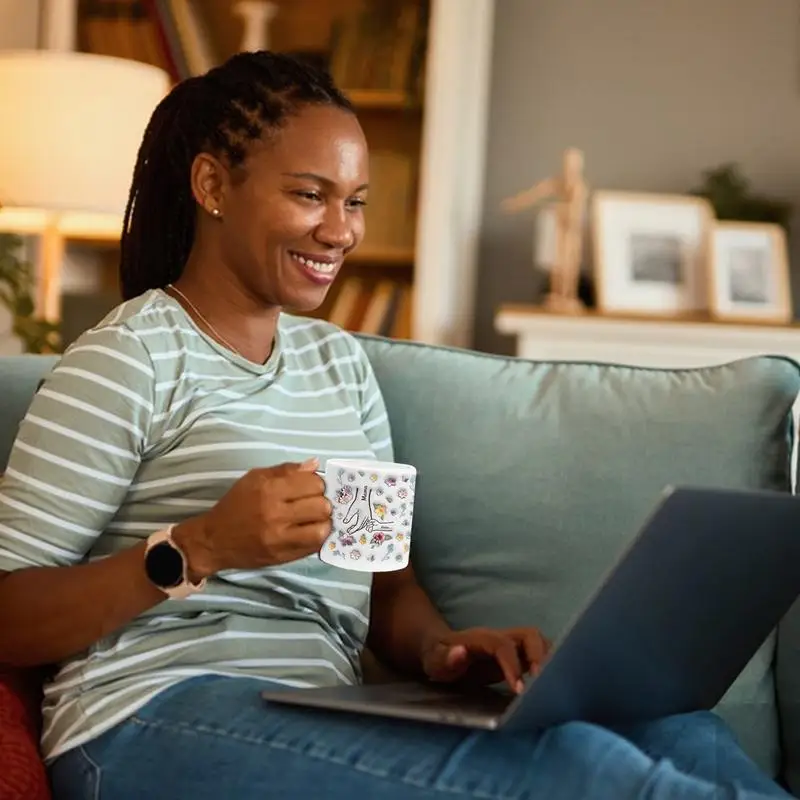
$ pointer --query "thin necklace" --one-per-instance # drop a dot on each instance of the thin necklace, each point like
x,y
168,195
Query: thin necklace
x,y
205,321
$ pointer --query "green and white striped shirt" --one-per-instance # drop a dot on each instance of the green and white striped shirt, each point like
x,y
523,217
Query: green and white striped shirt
x,y
147,421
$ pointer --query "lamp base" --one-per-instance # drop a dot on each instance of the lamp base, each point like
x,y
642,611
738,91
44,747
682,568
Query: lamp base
x,y
49,260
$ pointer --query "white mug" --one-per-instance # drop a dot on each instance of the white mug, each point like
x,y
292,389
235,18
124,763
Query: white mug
x,y
373,506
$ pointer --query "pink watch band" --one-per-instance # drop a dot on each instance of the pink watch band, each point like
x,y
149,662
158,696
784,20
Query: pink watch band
x,y
185,587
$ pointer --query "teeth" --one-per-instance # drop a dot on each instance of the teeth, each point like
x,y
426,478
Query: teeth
x,y
317,266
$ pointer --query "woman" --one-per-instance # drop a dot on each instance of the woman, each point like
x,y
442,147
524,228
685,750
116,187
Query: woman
x,y
160,516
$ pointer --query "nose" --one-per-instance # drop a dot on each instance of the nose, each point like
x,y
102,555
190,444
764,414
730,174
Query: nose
x,y
336,228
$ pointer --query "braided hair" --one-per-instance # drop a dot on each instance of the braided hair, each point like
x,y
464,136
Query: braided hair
x,y
219,112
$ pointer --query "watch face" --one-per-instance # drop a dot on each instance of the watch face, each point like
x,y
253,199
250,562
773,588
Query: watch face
x,y
164,566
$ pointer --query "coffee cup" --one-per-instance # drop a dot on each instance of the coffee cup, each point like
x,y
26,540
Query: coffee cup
x,y
373,507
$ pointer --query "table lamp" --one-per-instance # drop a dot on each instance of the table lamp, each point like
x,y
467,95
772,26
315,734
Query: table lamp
x,y
71,129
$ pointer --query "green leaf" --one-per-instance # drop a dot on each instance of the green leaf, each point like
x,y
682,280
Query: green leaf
x,y
17,285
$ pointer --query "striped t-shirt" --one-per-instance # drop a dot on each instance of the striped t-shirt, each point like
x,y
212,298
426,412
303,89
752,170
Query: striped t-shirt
x,y
147,421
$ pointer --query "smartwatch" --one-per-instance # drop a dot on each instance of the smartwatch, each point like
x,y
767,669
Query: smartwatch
x,y
166,566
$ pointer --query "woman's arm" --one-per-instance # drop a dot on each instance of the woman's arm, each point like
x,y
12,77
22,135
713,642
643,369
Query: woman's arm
x,y
49,614
403,621
76,453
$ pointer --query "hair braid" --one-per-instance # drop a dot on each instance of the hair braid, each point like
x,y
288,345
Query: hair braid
x,y
220,112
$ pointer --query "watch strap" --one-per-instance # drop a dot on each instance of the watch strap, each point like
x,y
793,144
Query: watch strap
x,y
185,587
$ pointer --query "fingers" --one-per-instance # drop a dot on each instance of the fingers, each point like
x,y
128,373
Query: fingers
x,y
310,509
437,662
456,658
533,645
304,484
290,482
487,656
310,537
507,657
503,649
279,470
514,652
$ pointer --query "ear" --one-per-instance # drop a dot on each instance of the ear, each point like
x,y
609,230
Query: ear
x,y
210,181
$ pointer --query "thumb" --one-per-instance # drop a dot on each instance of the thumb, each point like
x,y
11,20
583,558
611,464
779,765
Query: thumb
x,y
447,662
309,465
456,656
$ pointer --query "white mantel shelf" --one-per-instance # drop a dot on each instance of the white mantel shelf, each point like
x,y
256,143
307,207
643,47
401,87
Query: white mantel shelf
x,y
641,341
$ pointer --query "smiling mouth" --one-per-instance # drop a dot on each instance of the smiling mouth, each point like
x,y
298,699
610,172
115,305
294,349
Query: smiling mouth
x,y
324,266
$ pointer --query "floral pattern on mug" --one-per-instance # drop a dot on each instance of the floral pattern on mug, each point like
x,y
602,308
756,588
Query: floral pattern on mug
x,y
372,515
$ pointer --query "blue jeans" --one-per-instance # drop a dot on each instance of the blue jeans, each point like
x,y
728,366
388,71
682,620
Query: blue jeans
x,y
213,737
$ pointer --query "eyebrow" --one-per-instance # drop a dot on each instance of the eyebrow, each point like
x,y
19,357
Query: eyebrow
x,y
319,178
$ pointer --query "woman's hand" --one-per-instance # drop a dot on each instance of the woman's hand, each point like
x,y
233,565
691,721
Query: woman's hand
x,y
269,516
484,656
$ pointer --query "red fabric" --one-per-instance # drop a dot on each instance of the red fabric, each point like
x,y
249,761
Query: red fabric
x,y
22,773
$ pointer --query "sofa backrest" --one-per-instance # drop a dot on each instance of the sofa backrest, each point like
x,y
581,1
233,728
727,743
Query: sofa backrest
x,y
533,477
19,377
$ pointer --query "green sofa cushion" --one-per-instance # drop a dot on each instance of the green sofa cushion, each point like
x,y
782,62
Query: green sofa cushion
x,y
19,377
534,476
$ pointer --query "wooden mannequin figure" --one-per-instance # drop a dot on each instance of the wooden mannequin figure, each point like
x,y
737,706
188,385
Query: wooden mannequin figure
x,y
570,192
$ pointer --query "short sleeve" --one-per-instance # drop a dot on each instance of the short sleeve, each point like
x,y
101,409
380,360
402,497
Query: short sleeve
x,y
77,451
374,419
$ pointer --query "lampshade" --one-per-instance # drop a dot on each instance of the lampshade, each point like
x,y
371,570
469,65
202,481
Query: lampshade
x,y
72,126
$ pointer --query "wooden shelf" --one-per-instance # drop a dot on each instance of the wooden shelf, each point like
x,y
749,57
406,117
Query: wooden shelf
x,y
523,311
681,343
382,99
388,256
330,32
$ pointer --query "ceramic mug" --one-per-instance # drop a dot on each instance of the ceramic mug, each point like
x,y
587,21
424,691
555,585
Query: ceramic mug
x,y
373,506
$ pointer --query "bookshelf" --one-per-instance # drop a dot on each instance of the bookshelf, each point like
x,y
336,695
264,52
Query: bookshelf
x,y
402,63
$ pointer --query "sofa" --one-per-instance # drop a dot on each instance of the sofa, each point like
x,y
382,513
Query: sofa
x,y
533,477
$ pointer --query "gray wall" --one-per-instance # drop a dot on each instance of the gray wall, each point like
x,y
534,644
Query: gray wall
x,y
654,92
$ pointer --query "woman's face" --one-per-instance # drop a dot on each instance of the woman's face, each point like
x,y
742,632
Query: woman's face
x,y
293,210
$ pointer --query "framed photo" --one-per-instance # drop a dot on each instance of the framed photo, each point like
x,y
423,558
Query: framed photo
x,y
651,252
749,272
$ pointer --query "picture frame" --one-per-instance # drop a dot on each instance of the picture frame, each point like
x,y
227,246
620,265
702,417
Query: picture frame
x,y
749,273
651,253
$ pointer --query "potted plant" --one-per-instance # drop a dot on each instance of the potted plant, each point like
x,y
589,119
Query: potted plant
x,y
729,193
17,286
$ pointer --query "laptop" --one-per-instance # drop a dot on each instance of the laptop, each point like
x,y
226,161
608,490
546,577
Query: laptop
x,y
688,603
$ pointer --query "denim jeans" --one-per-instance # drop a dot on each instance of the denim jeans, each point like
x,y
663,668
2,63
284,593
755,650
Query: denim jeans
x,y
214,738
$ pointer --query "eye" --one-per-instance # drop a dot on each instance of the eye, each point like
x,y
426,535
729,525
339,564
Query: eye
x,y
309,195
357,202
